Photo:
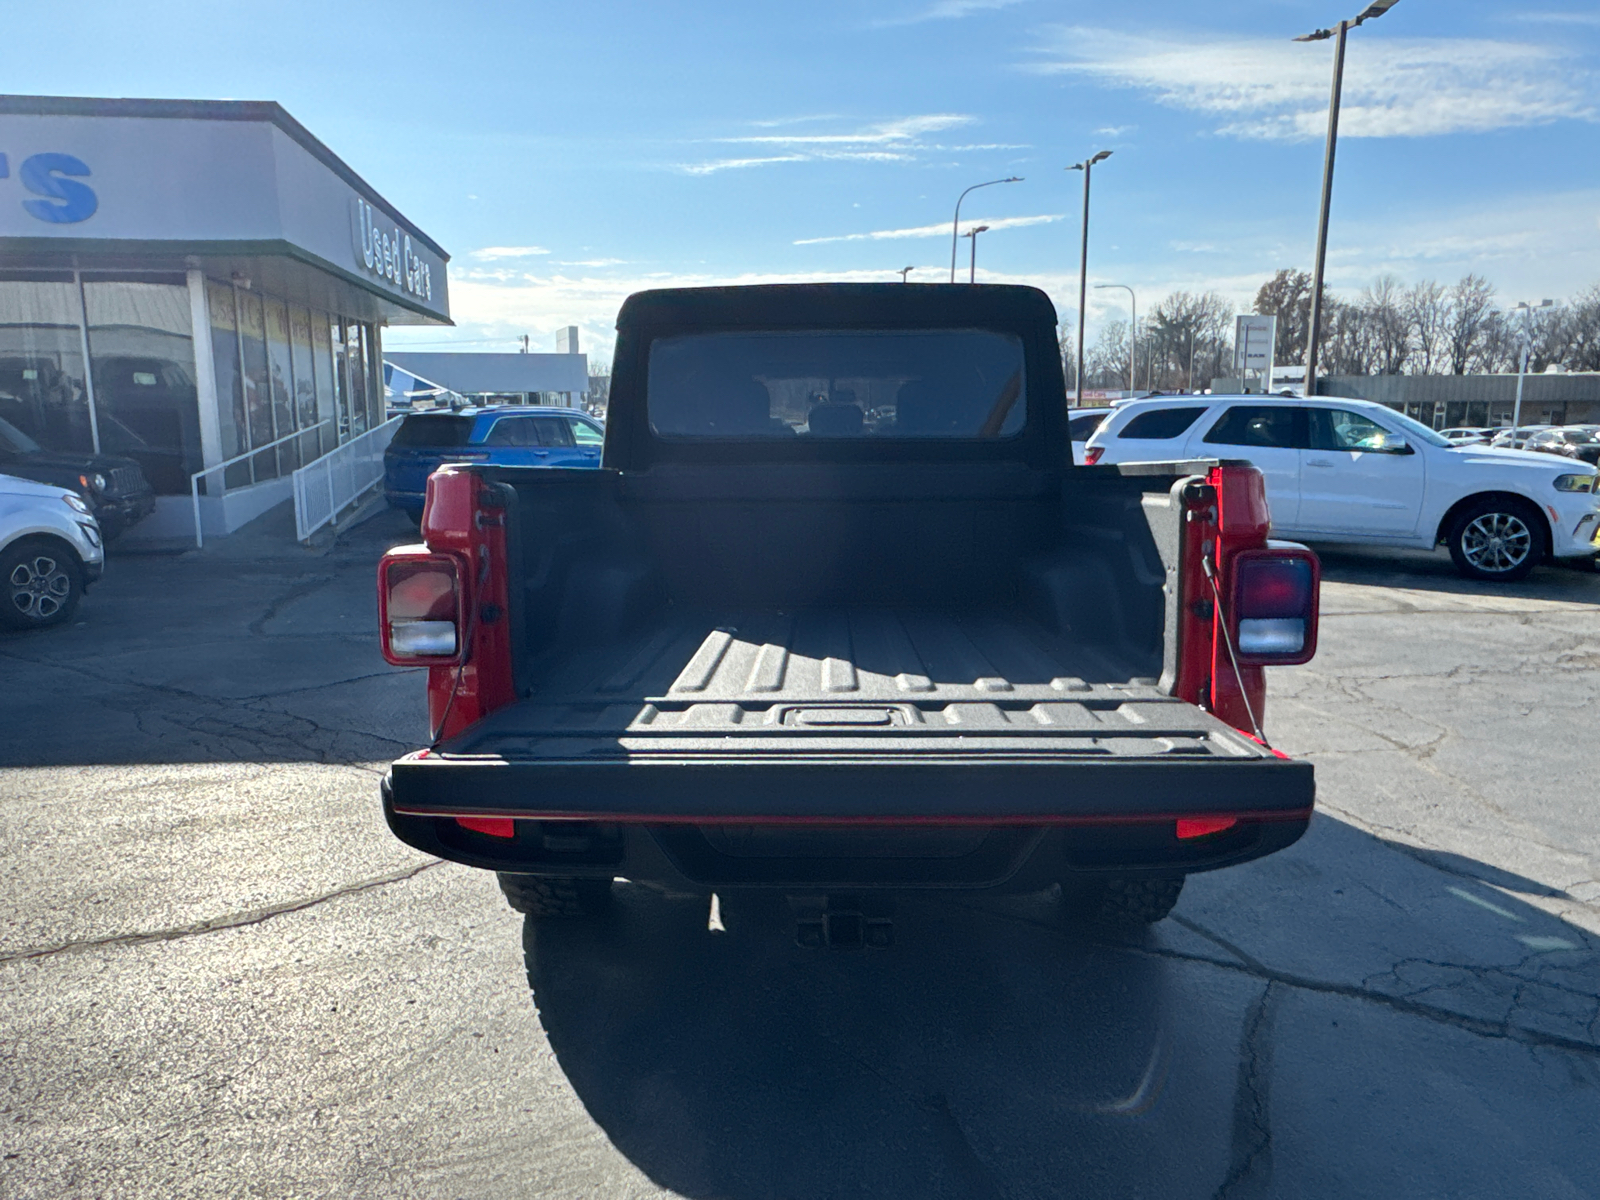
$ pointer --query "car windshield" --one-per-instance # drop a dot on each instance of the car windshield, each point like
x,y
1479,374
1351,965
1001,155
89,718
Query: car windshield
x,y
962,383
1418,430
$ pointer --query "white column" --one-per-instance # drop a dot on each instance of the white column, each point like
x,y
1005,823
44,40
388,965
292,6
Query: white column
x,y
205,372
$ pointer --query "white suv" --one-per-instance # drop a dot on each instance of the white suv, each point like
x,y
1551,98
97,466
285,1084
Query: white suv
x,y
50,551
1340,470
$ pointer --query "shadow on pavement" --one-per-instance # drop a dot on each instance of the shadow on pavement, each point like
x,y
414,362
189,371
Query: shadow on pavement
x,y
1432,571
995,1050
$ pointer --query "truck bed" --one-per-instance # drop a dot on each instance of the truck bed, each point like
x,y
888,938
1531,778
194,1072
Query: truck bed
x,y
847,713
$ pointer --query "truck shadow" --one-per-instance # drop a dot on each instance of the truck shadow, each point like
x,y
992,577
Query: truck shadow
x,y
1432,571
996,1049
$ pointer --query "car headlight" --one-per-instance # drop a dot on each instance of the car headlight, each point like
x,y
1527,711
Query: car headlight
x,y
95,482
1575,483
75,503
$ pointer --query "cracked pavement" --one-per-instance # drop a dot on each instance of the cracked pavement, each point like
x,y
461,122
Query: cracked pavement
x,y
221,975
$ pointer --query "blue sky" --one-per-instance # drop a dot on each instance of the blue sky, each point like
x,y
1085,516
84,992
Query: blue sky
x,y
568,154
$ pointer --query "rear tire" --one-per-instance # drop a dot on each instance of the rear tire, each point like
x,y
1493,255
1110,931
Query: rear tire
x,y
1122,903
538,896
41,582
1497,540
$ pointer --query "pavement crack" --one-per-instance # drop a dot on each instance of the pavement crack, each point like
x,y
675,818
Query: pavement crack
x,y
297,591
215,924
1250,1161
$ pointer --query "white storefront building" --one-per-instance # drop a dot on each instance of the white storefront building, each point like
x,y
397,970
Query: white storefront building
x,y
196,285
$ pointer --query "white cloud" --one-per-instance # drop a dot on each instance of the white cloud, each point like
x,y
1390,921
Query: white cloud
x,y
946,10
1393,87
594,262
489,253
940,230
898,140
736,164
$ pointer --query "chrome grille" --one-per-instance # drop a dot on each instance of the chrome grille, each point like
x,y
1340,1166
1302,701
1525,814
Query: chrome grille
x,y
125,479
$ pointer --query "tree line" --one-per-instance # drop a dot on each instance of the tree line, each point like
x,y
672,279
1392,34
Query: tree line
x,y
1427,328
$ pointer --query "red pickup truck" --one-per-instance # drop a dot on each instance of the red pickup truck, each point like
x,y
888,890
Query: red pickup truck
x,y
837,617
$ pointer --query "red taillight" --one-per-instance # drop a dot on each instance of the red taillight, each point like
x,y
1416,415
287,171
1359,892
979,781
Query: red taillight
x,y
1091,455
1274,611
1196,827
420,607
500,827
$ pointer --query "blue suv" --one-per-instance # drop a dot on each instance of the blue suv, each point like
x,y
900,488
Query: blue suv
x,y
509,436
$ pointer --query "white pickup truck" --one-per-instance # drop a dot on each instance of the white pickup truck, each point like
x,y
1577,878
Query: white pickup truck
x,y
1344,470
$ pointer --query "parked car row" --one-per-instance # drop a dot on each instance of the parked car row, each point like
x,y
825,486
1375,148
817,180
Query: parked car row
x,y
1352,471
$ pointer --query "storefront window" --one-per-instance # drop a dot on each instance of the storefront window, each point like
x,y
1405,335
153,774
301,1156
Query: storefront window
x,y
305,384
280,370
230,387
356,358
43,389
141,348
323,372
257,390
341,381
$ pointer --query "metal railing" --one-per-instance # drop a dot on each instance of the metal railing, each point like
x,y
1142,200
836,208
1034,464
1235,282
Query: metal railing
x,y
325,488
194,480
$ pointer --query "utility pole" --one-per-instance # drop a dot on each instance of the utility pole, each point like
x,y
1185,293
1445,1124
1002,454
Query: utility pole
x,y
1133,333
1522,371
1371,12
1086,166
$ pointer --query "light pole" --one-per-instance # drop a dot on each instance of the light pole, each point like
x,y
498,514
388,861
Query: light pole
x,y
1527,311
972,271
1133,329
955,225
1374,10
1086,166
903,272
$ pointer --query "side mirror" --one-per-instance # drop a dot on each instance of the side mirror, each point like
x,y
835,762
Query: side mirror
x,y
1397,445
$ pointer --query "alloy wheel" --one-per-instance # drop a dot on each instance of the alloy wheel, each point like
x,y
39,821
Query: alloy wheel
x,y
1496,542
39,587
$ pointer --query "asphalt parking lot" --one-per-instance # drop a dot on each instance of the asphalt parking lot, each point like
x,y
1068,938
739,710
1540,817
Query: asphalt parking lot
x,y
220,975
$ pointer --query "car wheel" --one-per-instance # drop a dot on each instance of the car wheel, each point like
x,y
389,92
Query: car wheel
x,y
538,896
41,581
1121,903
1498,540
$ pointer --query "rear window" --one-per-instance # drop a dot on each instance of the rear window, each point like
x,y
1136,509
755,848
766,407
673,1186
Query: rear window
x,y
1161,423
444,431
1267,426
1081,429
959,383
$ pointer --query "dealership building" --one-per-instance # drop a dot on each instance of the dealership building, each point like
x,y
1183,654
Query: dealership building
x,y
200,286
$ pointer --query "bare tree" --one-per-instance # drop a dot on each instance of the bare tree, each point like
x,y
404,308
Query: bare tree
x,y
1107,361
1583,330
1385,329
1471,304
1427,309
1183,331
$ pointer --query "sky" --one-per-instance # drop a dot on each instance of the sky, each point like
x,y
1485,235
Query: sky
x,y
567,155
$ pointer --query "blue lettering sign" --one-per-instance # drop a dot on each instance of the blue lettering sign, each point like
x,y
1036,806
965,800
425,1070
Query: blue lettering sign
x,y
70,201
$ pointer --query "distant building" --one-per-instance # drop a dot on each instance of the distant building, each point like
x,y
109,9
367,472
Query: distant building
x,y
567,340
561,379
1450,401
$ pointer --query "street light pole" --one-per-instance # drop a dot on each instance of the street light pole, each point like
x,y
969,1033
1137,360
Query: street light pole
x,y
903,272
1086,166
1133,330
972,271
955,225
1371,12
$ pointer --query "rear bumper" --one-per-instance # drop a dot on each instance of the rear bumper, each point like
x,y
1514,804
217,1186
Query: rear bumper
x,y
1018,826
123,512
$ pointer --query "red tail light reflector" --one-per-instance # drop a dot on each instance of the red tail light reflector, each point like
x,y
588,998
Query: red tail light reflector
x,y
500,827
420,607
1197,827
1091,455
1274,609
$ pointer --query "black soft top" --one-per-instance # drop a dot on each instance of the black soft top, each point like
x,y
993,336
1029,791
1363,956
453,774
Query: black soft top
x,y
1024,311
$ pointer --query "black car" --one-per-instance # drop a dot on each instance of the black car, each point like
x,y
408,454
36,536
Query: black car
x,y
115,488
1572,441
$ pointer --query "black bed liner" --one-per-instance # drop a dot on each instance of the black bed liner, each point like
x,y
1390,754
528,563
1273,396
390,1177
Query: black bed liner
x,y
865,714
